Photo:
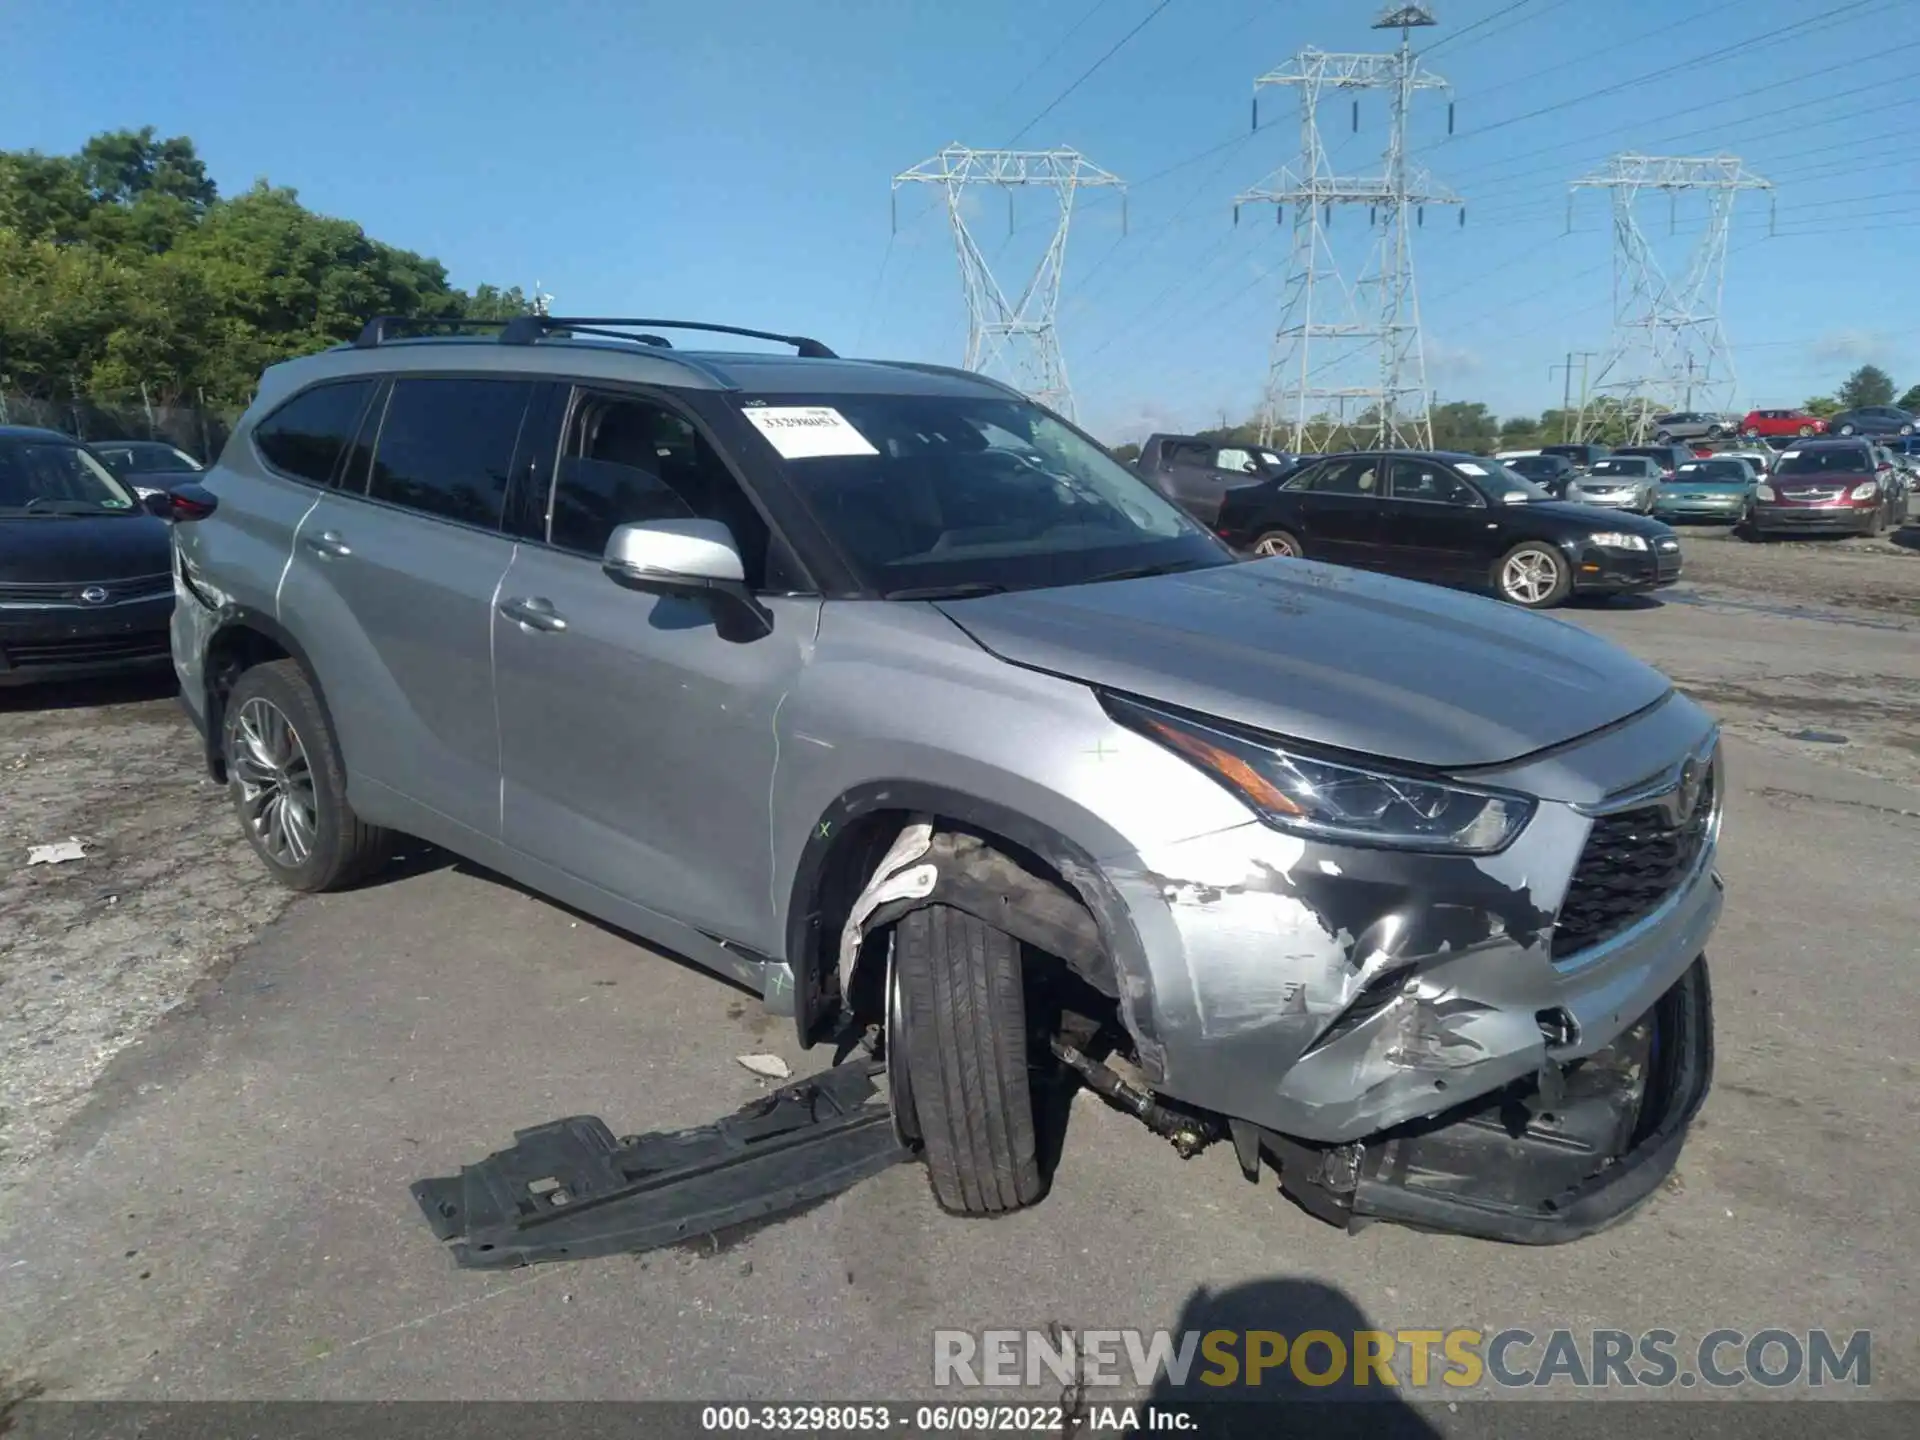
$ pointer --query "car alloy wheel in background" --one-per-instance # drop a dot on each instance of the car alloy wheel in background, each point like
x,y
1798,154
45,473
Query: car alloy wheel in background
x,y
1277,544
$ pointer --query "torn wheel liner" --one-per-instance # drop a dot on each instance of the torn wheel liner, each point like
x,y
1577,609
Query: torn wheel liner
x,y
1540,1164
570,1190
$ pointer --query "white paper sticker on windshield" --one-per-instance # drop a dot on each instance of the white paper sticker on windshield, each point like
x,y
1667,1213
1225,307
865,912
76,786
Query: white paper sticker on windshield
x,y
1789,454
1467,467
807,432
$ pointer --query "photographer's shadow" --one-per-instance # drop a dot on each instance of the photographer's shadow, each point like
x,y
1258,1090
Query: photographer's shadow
x,y
1278,1402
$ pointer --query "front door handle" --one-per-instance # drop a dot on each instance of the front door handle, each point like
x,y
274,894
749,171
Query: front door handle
x,y
329,543
534,611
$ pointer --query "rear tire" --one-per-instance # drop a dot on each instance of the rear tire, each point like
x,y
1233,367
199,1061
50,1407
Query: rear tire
x,y
1805,431
1279,543
965,1052
289,784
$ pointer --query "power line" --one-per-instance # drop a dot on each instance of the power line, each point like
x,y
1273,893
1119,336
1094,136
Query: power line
x,y
1090,72
1051,55
1692,63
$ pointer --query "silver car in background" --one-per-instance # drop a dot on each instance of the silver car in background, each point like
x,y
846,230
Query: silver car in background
x,y
883,691
1622,482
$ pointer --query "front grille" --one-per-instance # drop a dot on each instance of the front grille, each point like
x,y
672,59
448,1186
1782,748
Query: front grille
x,y
86,650
1632,862
67,592
1812,494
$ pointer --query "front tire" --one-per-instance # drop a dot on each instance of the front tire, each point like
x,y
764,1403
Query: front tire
x,y
1662,438
1533,575
1846,430
1279,544
289,784
961,999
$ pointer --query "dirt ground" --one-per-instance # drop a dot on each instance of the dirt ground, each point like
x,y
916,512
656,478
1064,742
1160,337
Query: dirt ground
x,y
93,951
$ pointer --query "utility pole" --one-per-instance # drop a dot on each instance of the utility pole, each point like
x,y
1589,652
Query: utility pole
x,y
1565,371
1378,314
1668,341
1017,339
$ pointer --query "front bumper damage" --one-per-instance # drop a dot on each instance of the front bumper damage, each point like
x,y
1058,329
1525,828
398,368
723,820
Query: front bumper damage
x,y
1553,1159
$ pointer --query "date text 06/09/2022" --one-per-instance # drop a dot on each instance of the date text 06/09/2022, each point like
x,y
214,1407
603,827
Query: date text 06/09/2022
x,y
913,1419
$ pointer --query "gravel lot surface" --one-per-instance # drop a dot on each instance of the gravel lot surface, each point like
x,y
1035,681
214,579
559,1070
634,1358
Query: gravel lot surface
x,y
227,1102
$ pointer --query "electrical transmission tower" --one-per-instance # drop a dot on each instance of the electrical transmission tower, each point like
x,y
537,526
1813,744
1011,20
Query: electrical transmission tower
x,y
1015,339
1668,350
1329,324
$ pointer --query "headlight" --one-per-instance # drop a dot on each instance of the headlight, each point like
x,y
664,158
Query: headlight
x,y
1763,492
1616,540
1866,490
1332,800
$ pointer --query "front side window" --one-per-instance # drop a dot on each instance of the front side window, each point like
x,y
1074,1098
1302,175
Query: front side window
x,y
628,461
1420,480
931,492
305,437
56,477
1238,460
445,447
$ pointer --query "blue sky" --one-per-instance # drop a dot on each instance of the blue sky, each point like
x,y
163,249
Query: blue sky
x,y
732,160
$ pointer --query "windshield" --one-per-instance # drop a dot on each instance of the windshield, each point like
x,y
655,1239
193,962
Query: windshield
x,y
1703,470
930,494
1631,467
1840,460
1499,484
53,477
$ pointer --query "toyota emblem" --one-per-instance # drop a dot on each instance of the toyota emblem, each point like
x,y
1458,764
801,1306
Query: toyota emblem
x,y
94,595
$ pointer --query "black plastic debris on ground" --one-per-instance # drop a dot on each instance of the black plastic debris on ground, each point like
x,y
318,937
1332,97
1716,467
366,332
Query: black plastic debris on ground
x,y
1818,737
570,1190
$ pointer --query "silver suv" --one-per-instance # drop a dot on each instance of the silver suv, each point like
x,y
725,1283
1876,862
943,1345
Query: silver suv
x,y
888,693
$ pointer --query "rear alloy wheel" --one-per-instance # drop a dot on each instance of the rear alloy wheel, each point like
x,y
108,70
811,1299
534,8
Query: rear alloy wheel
x,y
289,785
1534,575
1277,544
1906,429
1714,432
957,1026
1805,431
1663,438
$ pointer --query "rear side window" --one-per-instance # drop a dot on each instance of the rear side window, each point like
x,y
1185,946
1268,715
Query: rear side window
x,y
305,437
446,447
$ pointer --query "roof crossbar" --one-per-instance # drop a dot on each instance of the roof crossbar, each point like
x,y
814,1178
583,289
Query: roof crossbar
x,y
526,329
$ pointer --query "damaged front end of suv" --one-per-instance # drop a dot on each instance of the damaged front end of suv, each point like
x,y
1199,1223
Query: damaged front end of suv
x,y
1462,997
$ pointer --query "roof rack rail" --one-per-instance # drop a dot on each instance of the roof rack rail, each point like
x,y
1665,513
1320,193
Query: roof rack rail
x,y
525,329
382,328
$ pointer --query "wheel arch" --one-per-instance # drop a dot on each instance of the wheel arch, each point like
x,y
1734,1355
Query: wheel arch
x,y
241,639
849,836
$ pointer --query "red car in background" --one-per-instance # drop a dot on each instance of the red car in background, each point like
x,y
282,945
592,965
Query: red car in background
x,y
1761,424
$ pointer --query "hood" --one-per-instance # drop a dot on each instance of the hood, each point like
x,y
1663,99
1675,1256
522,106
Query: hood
x,y
1327,655
47,550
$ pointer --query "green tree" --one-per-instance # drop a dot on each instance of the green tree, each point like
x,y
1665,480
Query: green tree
x,y
1126,454
1821,405
1869,385
1910,400
1464,425
123,271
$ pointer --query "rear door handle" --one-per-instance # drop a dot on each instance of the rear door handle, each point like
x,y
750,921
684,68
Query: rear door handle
x,y
535,611
328,542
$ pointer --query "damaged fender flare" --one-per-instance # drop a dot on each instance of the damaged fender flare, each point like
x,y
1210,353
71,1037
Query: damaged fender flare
x,y
812,949
225,620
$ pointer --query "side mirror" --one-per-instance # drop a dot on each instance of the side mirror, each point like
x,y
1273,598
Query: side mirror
x,y
693,559
181,503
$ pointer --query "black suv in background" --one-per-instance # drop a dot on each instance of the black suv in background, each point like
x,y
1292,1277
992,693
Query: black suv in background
x,y
1668,457
1581,457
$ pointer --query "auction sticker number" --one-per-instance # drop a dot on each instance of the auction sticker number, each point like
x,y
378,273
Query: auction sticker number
x,y
807,432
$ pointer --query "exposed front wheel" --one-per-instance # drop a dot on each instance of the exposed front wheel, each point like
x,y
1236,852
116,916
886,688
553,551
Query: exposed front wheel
x,y
957,1023
1846,429
1278,543
289,786
1534,575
